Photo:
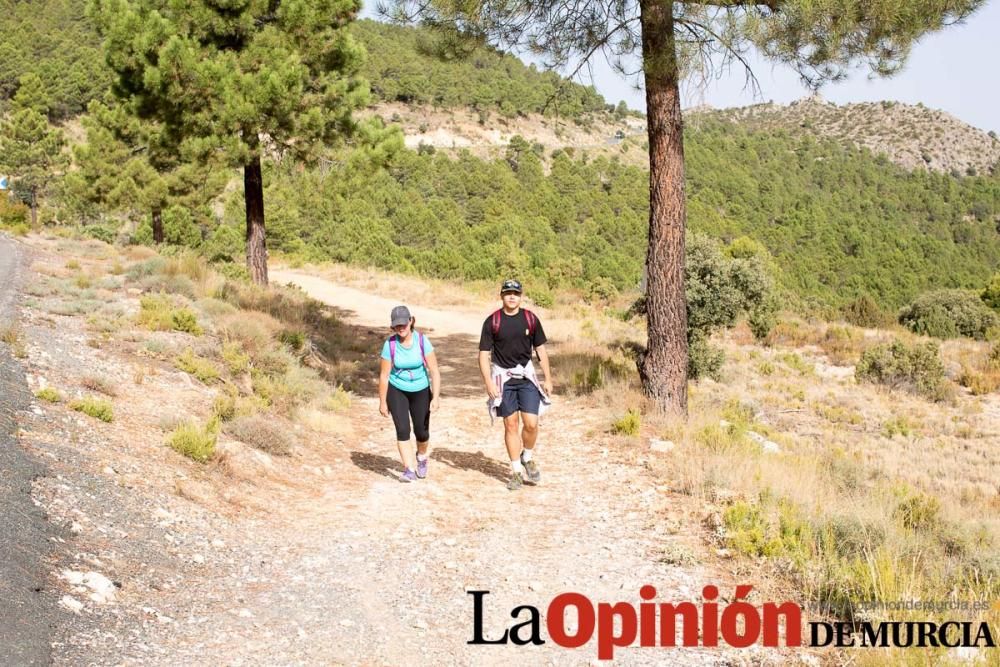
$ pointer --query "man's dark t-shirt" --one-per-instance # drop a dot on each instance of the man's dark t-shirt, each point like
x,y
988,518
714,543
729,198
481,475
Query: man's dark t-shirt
x,y
512,345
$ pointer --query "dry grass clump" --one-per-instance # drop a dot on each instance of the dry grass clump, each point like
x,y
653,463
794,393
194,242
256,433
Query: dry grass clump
x,y
264,433
99,384
12,336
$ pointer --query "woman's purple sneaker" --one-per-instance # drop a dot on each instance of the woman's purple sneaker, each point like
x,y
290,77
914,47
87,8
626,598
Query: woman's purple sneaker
x,y
421,468
408,476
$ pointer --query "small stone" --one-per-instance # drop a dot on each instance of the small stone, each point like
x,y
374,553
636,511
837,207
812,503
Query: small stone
x,y
450,542
218,544
198,558
451,565
71,603
347,623
76,528
108,470
420,624
244,613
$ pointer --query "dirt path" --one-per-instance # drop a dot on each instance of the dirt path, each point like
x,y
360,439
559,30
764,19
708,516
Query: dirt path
x,y
596,524
344,564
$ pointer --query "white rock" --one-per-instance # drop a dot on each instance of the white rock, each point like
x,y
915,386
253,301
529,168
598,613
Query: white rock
x,y
662,446
71,603
198,558
244,613
768,446
108,470
347,623
450,542
102,590
218,544
76,528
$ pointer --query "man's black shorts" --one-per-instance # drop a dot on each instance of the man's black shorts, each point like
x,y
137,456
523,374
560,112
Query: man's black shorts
x,y
520,396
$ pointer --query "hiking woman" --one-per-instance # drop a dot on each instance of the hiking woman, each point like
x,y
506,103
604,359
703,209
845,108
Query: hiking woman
x,y
409,386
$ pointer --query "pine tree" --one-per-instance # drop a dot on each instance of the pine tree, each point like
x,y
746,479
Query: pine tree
x,y
820,38
31,152
238,79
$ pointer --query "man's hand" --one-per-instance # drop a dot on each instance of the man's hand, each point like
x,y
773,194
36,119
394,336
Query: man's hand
x,y
492,390
383,408
547,386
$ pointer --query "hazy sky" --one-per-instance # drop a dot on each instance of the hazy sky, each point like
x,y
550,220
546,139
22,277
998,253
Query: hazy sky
x,y
957,70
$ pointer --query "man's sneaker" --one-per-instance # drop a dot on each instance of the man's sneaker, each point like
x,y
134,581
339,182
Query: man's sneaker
x,y
532,474
515,482
408,476
421,468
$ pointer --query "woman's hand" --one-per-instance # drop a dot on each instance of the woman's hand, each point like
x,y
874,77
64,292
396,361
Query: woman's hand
x,y
435,404
383,408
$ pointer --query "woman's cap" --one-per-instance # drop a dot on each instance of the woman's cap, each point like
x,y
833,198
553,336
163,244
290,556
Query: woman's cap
x,y
510,286
400,316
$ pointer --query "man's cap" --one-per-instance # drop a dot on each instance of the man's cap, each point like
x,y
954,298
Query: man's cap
x,y
400,315
510,286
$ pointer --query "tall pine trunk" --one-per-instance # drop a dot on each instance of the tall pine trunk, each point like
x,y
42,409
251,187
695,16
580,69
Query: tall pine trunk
x,y
664,367
253,192
34,210
157,225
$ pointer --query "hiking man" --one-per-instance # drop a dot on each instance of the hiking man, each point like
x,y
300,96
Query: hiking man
x,y
505,345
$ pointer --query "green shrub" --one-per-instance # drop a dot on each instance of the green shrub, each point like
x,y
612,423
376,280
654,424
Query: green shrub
x,y
949,313
49,394
917,369
94,407
628,424
158,314
704,359
864,312
295,340
195,442
919,511
236,359
201,368
100,233
991,293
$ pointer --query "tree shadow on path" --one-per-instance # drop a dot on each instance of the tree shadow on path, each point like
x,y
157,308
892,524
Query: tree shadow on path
x,y
376,463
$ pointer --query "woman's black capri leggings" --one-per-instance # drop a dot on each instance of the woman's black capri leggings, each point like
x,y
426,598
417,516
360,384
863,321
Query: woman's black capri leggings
x,y
406,404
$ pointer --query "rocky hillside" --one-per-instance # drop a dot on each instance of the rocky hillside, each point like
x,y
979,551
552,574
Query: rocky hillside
x,y
914,137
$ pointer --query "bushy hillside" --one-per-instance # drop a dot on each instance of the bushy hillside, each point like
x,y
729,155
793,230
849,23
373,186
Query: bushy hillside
x,y
911,136
408,65
54,39
840,222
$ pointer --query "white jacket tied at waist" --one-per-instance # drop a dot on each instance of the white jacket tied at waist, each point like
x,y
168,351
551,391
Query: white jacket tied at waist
x,y
499,376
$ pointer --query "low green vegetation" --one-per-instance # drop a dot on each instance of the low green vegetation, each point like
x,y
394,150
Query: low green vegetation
x,y
194,441
916,368
159,314
94,407
627,424
49,394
